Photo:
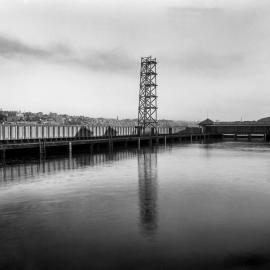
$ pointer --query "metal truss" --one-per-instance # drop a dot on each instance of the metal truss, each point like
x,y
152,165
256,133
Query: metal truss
x,y
147,111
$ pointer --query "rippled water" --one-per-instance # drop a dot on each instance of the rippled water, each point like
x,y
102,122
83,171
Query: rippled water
x,y
187,206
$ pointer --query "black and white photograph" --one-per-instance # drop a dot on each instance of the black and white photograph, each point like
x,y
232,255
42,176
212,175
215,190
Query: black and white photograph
x,y
134,134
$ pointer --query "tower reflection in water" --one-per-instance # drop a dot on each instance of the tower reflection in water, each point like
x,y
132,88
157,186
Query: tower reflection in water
x,y
147,173
28,169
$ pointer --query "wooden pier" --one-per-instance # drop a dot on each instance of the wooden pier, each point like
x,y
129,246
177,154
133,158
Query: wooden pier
x,y
94,144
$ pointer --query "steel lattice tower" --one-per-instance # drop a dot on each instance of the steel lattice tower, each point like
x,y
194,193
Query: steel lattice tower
x,y
147,111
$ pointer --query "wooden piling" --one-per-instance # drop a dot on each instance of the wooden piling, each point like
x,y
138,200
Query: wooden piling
x,y
3,155
110,145
70,159
91,148
42,148
70,147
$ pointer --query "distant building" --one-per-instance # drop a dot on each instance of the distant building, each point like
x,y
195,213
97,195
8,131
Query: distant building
x,y
13,116
3,117
205,122
264,120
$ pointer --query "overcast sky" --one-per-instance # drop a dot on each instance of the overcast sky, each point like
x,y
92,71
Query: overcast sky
x,y
83,57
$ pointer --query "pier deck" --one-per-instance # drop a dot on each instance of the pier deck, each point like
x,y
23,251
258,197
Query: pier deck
x,y
125,140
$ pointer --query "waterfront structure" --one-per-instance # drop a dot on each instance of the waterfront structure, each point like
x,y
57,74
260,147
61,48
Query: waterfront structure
x,y
147,110
43,137
237,129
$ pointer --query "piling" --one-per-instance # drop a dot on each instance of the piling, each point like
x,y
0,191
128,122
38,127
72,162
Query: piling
x,y
110,144
70,159
42,148
3,155
70,147
91,148
42,163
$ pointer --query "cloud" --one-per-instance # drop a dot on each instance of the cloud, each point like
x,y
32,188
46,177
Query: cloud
x,y
11,48
218,39
113,60
208,62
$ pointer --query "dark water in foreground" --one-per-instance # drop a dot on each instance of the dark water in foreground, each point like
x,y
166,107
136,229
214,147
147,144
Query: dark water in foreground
x,y
191,206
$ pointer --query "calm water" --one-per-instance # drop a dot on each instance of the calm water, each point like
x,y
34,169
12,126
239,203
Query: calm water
x,y
192,206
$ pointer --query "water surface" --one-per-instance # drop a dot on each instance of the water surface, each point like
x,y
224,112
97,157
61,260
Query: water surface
x,y
187,206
